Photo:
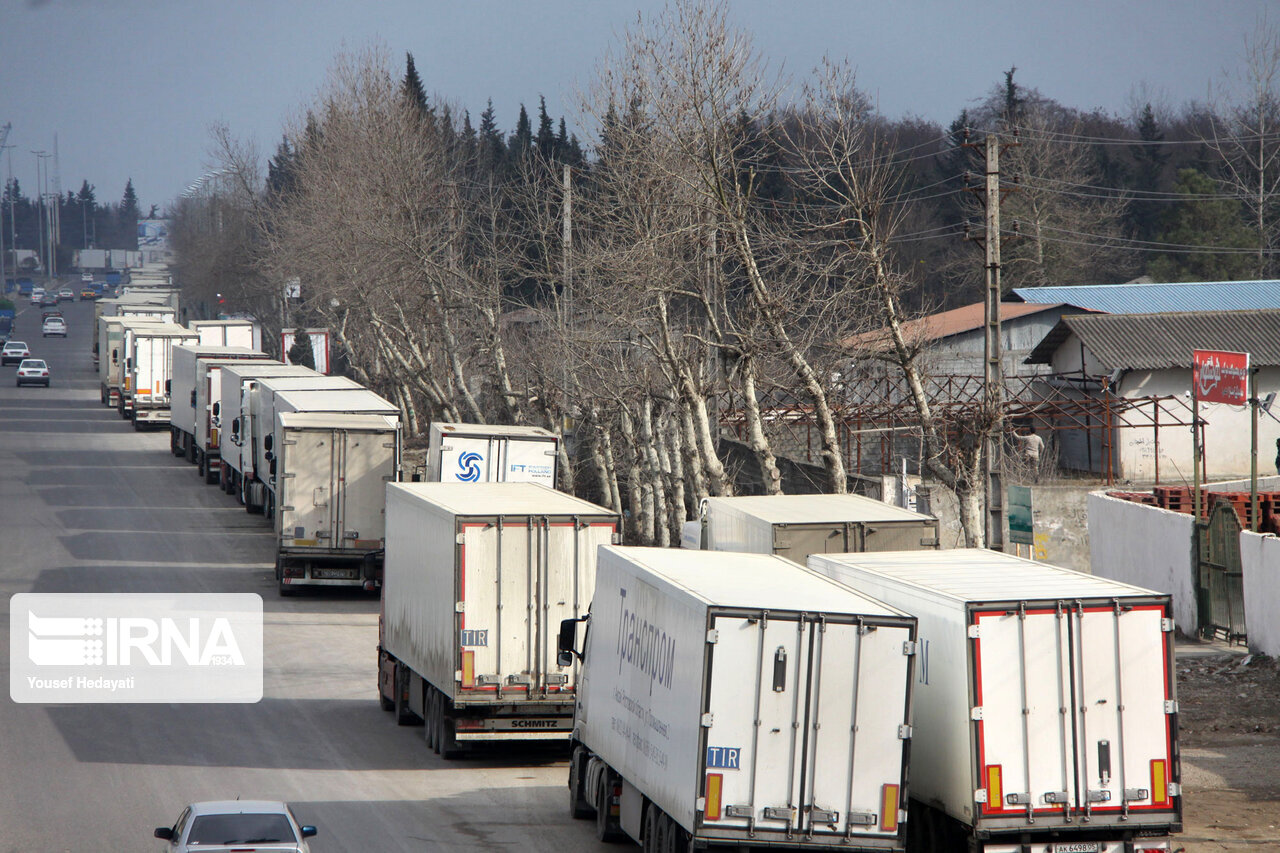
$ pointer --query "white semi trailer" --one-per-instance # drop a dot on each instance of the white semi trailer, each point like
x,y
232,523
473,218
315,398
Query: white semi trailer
x,y
233,421
739,701
1046,713
148,367
478,579
196,385
480,453
261,418
110,338
228,333
331,471
796,526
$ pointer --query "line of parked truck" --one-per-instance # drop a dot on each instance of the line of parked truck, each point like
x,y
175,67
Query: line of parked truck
x,y
807,672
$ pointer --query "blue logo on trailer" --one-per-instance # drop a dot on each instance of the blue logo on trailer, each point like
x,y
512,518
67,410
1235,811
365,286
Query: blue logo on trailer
x,y
723,756
469,466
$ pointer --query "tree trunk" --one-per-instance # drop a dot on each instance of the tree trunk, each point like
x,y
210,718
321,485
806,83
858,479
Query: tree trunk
x,y
639,502
662,530
692,463
673,469
770,477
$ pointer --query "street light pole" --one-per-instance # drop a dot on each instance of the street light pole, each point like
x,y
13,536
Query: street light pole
x,y
40,211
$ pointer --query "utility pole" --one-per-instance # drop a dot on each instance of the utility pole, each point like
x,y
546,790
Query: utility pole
x,y
40,217
992,351
4,279
13,229
566,294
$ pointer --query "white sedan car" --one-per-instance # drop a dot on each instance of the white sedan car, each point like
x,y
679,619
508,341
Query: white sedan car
x,y
14,352
53,326
241,825
33,371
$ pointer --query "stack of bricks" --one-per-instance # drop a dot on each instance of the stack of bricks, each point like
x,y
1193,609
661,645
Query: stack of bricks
x,y
1176,498
1145,498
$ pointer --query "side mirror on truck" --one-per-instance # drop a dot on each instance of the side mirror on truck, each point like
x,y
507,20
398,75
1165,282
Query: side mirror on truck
x,y
235,430
193,398
568,641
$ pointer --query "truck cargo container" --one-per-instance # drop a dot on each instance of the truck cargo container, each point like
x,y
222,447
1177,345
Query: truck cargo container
x,y
1046,714
796,526
740,701
478,453
353,401
123,307
229,333
260,406
319,339
91,259
110,339
236,382
197,374
148,368
331,472
477,581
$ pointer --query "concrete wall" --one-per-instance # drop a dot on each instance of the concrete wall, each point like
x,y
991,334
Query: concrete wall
x,y
1060,523
1260,560
1148,547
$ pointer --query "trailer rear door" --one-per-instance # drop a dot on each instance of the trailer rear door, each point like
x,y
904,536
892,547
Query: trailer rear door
x,y
808,727
1073,713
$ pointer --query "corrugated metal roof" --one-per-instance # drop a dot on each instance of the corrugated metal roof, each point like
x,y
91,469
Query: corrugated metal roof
x,y
1156,341
935,327
1156,297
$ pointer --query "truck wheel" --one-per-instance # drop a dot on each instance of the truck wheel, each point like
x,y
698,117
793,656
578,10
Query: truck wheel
x,y
651,840
579,808
210,472
404,715
383,702
446,733
607,829
432,721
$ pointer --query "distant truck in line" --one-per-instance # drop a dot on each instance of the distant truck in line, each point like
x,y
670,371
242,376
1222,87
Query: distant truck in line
x,y
197,385
147,370
484,453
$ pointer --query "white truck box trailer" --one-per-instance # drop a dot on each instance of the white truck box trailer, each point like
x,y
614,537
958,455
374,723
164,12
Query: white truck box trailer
x,y
110,342
260,404
479,453
1046,714
229,333
332,472
796,526
354,401
319,340
197,374
233,421
91,259
148,369
108,307
740,700
477,581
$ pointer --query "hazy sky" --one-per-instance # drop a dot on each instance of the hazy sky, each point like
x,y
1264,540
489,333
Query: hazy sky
x,y
131,87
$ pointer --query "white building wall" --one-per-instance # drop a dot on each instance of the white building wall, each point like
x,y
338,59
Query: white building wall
x,y
1148,547
1226,432
1260,560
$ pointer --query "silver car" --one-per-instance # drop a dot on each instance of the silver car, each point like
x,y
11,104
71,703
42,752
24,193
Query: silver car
x,y
240,825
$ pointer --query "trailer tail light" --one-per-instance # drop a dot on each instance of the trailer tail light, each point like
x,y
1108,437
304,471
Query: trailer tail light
x,y
995,787
294,571
889,808
468,669
715,786
464,724
1159,783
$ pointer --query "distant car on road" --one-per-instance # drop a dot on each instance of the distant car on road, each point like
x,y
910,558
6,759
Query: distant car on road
x,y
49,299
54,326
37,295
66,295
33,371
249,825
88,293
14,352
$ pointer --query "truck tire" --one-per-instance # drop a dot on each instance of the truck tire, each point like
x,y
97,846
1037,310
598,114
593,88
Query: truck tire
x,y
211,474
579,807
607,829
651,833
383,702
433,714
673,837
404,715
446,733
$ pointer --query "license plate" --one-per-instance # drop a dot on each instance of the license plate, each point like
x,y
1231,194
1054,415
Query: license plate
x,y
1078,847
336,574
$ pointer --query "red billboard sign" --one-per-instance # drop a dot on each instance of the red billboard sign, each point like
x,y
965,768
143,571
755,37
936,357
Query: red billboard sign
x,y
1220,377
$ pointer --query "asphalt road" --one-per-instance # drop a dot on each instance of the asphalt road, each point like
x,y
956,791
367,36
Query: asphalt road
x,y
87,504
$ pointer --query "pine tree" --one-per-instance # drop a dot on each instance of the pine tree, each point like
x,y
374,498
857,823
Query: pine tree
x,y
282,170
127,233
1150,160
492,148
546,139
522,140
1214,222
412,90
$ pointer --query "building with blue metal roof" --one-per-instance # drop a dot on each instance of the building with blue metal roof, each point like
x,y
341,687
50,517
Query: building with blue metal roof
x,y
1155,297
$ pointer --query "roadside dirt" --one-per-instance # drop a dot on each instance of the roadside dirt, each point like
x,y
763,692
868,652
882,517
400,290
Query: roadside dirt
x,y
1229,710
